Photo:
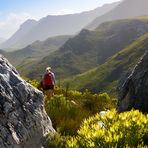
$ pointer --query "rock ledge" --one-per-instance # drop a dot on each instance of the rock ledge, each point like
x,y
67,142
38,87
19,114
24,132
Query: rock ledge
x,y
23,120
134,91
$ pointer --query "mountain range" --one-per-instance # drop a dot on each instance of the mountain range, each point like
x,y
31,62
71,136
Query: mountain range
x,y
95,59
90,48
126,9
2,40
106,77
52,25
35,51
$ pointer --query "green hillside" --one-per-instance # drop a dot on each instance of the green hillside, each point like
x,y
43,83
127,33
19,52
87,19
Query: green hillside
x,y
90,48
106,76
34,52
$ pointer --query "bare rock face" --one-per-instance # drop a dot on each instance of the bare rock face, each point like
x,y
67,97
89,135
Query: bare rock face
x,y
23,120
134,91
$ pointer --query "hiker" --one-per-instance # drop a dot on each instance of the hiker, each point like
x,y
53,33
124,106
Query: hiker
x,y
49,82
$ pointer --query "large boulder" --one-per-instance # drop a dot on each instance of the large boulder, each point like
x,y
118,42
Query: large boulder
x,y
134,91
23,120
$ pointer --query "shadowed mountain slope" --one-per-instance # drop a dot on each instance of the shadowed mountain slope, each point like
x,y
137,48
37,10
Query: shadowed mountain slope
x,y
90,48
114,71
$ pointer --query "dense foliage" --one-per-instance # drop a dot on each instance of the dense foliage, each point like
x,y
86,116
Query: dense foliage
x,y
75,117
128,129
68,108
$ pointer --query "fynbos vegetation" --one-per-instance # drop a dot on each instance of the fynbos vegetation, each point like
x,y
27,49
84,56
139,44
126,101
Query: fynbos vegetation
x,y
75,116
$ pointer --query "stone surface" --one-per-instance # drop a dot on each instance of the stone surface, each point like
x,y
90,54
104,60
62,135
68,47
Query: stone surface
x,y
134,92
23,120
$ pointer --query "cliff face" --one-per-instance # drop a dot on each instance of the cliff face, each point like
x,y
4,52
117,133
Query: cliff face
x,y
134,91
23,120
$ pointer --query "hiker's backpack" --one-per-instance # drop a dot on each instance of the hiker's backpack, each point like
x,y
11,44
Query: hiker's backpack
x,y
48,79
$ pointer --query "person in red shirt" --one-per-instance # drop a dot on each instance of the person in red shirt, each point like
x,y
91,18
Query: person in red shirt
x,y
49,82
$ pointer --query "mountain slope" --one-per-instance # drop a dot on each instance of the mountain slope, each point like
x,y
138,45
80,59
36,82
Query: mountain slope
x,y
2,40
36,51
107,76
50,26
126,9
15,40
90,48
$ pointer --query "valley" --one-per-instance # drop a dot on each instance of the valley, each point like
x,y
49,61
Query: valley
x,y
74,80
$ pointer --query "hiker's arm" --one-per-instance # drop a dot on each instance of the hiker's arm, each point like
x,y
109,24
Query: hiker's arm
x,y
53,77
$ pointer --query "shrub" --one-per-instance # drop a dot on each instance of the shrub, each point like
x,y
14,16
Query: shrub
x,y
66,116
34,83
56,141
128,129
67,109
97,102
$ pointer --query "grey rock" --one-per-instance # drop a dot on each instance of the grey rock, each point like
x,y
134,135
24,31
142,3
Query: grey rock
x,y
23,120
134,91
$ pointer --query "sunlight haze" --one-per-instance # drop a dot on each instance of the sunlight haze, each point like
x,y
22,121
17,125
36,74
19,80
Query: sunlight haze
x,y
14,12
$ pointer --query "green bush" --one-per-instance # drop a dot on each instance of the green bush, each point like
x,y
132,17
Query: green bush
x,y
96,102
56,141
68,108
34,83
66,116
128,129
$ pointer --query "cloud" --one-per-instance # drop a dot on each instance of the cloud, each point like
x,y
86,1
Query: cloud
x,y
12,23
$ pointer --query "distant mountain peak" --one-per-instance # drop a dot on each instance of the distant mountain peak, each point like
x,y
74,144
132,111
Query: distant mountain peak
x,y
53,25
125,9
28,22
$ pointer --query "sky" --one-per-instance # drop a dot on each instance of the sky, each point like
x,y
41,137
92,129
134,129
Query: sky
x,y
14,12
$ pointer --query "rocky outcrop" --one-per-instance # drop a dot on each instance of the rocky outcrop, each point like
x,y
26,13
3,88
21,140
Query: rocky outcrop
x,y
23,120
134,91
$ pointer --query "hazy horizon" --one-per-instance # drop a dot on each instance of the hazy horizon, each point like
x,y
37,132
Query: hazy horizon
x,y
12,15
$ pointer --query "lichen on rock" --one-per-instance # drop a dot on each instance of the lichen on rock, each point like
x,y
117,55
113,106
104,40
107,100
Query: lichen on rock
x,y
23,120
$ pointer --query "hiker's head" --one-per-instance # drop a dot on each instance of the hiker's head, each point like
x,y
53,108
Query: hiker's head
x,y
48,69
